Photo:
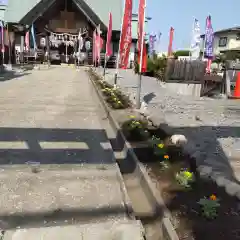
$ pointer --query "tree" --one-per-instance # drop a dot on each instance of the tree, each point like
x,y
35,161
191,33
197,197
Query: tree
x,y
181,53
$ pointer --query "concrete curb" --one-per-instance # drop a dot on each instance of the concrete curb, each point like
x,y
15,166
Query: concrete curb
x,y
205,171
126,199
152,191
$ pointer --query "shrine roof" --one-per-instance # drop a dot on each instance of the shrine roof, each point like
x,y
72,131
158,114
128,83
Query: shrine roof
x,y
18,9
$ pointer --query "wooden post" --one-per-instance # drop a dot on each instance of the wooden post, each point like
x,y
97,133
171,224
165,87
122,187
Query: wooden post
x,y
48,49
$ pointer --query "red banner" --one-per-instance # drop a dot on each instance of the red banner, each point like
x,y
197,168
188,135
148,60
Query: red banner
x,y
109,37
170,42
126,36
27,41
98,47
144,58
94,47
141,18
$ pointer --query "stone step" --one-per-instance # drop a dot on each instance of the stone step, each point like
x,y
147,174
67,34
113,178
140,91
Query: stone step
x,y
122,230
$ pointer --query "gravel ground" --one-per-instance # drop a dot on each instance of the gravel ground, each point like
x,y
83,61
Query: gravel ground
x,y
211,125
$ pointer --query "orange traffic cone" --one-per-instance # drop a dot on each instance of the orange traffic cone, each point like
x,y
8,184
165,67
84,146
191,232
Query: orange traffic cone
x,y
237,87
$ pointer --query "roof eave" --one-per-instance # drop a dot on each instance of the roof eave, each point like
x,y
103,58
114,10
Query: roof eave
x,y
44,5
40,8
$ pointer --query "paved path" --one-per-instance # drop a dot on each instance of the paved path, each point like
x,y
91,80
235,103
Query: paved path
x,y
56,163
212,125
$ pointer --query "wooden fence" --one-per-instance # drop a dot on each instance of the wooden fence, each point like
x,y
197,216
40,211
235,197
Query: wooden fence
x,y
185,71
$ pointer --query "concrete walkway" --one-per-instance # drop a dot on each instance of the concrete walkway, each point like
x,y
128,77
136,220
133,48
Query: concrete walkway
x,y
58,177
211,125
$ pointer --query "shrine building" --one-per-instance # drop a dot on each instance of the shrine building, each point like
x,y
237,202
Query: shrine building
x,y
57,24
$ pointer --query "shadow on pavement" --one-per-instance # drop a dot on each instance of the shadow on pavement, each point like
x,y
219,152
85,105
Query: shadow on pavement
x,y
54,146
149,97
9,75
210,136
60,217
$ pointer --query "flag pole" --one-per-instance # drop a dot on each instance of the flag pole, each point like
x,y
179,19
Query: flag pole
x,y
138,97
117,63
105,63
108,42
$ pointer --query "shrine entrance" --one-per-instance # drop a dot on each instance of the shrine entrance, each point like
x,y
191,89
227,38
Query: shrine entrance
x,y
58,31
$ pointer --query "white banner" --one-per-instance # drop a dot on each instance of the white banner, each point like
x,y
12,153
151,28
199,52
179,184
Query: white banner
x,y
196,39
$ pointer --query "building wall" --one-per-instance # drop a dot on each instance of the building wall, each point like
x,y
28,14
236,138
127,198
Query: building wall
x,y
231,39
225,41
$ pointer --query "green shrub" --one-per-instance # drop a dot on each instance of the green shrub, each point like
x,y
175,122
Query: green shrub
x,y
135,129
156,67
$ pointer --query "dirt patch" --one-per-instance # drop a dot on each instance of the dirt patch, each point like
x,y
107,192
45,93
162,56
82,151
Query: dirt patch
x,y
187,217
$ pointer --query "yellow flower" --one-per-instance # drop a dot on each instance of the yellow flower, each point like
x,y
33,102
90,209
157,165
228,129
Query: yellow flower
x,y
213,197
160,145
188,174
166,157
119,102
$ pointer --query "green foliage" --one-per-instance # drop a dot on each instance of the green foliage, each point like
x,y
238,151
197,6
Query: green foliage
x,y
209,207
158,146
180,53
136,67
115,98
156,66
135,129
232,55
184,178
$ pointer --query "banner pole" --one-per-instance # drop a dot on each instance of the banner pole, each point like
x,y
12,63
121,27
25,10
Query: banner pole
x,y
119,44
108,41
105,63
138,97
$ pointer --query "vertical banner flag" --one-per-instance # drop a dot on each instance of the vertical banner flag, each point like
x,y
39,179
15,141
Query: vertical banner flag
x,y
141,33
109,37
144,58
80,41
170,42
196,39
152,40
2,36
27,43
94,47
99,44
126,35
33,37
209,37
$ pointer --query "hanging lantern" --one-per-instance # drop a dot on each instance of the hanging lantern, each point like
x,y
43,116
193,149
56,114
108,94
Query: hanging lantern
x,y
43,42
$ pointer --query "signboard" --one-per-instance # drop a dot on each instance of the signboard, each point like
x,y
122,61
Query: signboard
x,y
3,2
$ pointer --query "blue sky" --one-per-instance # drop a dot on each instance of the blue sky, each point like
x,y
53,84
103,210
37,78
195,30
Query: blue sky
x,y
180,14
